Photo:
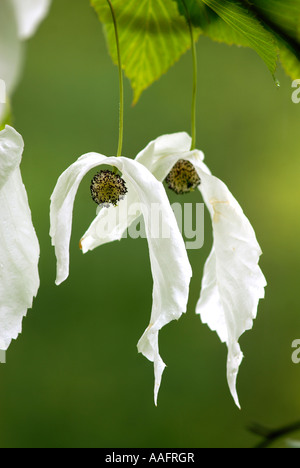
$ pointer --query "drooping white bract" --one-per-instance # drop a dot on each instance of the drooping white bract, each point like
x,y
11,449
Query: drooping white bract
x,y
19,248
169,262
232,282
19,20
29,14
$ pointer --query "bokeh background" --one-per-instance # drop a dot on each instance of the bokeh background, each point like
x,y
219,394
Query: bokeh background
x,y
74,377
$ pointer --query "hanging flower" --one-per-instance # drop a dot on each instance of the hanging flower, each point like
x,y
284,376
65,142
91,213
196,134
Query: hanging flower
x,y
171,270
232,282
29,15
19,248
19,20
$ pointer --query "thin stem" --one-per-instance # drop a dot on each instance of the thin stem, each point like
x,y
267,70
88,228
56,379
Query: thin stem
x,y
271,436
195,77
121,82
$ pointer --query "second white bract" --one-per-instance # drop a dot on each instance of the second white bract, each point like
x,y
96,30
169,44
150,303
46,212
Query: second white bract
x,y
19,247
170,266
232,282
29,14
19,20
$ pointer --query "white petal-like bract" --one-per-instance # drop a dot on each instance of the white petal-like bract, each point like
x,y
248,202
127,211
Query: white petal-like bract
x,y
19,248
10,52
232,282
121,218
19,20
29,14
170,267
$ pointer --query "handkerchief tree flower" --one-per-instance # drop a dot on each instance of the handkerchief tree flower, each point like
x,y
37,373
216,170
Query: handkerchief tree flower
x,y
19,20
19,277
233,282
170,266
19,247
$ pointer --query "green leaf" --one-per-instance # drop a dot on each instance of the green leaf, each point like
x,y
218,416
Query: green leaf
x,y
210,24
279,18
244,23
153,36
283,14
233,22
290,60
196,10
283,18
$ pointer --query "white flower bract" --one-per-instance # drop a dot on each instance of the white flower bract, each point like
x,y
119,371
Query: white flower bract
x,y
232,281
19,248
170,267
19,20
29,14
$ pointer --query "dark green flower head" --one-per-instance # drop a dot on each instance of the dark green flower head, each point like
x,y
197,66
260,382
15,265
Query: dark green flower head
x,y
108,188
183,178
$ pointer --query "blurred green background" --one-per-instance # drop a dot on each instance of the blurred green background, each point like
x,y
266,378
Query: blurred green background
x,y
74,378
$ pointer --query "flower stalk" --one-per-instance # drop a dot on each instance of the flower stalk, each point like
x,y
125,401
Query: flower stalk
x,y
195,77
121,81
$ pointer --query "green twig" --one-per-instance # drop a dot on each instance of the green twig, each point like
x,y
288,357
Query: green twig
x,y
270,436
195,77
121,82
